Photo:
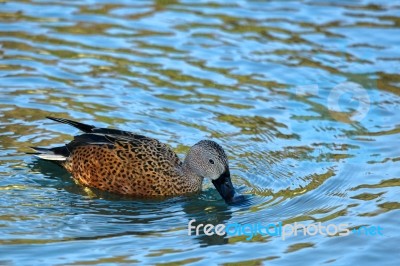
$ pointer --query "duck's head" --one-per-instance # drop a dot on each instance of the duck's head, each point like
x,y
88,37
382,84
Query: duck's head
x,y
207,159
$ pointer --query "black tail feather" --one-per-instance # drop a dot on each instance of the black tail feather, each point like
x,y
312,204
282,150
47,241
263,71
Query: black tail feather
x,y
49,155
62,150
84,127
41,150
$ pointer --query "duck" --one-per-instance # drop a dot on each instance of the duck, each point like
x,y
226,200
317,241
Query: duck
x,y
131,164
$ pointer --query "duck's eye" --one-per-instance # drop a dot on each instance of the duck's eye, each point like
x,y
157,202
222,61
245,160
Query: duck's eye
x,y
211,161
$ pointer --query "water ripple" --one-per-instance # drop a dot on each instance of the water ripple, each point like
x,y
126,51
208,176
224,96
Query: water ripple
x,y
301,94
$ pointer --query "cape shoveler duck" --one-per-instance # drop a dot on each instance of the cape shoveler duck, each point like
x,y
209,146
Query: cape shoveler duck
x,y
126,163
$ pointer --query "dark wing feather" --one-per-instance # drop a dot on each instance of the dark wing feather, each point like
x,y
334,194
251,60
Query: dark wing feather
x,y
104,139
107,137
116,132
92,129
84,127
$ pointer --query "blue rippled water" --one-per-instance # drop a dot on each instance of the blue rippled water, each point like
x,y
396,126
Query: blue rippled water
x,y
303,95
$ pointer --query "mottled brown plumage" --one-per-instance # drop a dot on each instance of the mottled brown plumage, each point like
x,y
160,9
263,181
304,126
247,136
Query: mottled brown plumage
x,y
131,164
142,168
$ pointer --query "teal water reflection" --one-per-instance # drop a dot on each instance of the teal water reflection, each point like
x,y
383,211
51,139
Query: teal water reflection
x,y
303,95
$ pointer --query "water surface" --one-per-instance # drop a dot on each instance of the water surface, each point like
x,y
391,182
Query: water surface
x,y
303,95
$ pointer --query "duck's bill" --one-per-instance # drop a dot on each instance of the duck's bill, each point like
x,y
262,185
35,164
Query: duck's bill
x,y
224,186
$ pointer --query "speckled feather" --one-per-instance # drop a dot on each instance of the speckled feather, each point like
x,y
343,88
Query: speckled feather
x,y
144,168
124,163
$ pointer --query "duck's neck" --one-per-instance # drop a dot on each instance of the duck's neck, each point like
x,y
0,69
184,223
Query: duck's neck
x,y
192,181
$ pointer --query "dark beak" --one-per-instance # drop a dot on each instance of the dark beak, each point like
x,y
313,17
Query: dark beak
x,y
224,186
